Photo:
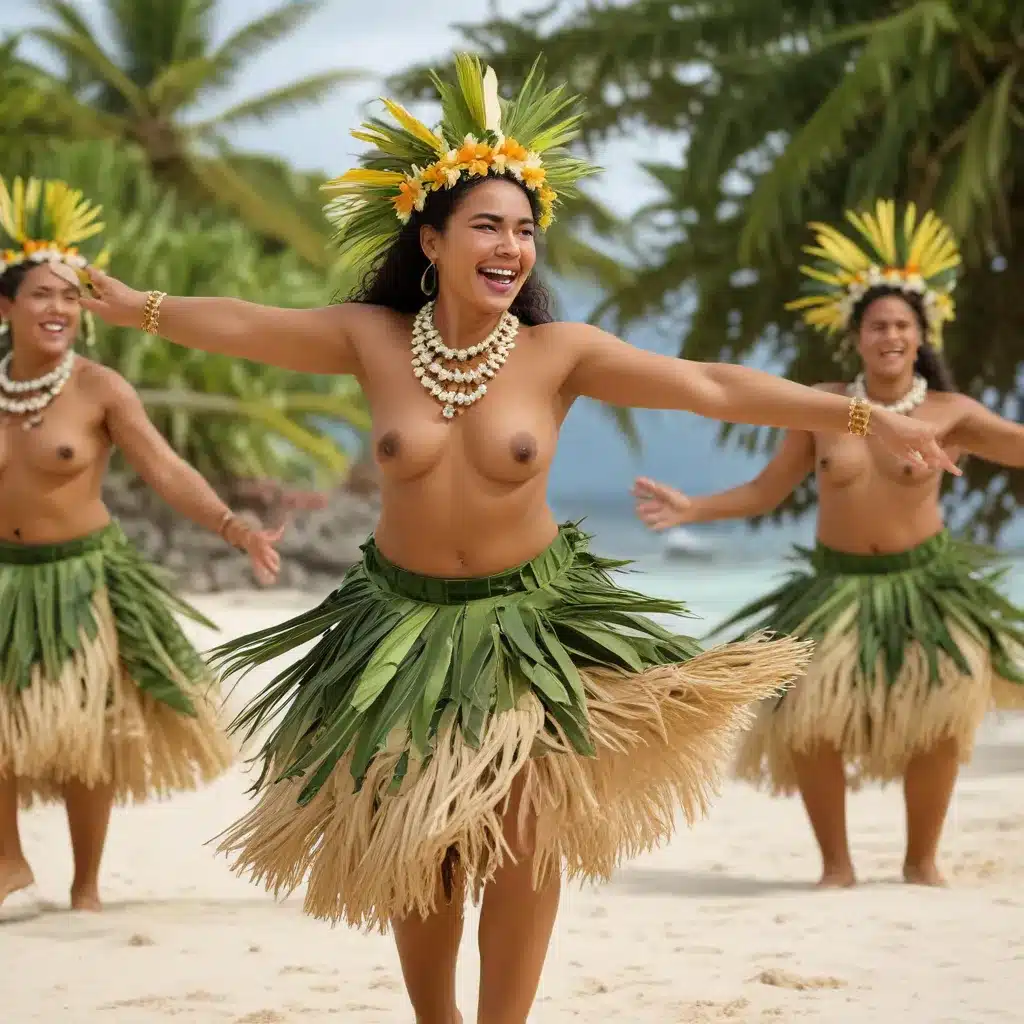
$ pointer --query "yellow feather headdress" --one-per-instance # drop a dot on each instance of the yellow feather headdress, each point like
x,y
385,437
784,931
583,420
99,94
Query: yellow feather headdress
x,y
479,134
45,222
907,254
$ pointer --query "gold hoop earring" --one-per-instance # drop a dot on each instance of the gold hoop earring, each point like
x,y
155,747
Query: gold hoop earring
x,y
431,289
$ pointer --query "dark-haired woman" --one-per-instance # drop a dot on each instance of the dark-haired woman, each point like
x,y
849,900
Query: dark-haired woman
x,y
102,697
484,707
913,642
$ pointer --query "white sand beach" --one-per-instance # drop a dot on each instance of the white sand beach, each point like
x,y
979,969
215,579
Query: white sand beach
x,y
721,925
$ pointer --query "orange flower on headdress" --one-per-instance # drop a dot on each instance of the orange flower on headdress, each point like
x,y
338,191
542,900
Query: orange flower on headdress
x,y
411,196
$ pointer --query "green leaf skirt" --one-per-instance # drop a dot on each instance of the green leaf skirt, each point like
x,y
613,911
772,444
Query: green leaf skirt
x,y
437,727
98,683
910,649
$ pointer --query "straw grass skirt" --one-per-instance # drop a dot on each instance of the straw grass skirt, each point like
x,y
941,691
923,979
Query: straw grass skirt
x,y
98,683
396,740
909,649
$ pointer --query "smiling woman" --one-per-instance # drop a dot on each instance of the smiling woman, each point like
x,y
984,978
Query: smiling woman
x,y
102,697
484,709
914,642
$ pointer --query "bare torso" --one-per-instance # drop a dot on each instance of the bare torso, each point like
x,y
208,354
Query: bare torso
x,y
51,476
872,502
466,497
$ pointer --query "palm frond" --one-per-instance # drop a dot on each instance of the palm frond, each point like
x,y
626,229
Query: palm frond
x,y
266,107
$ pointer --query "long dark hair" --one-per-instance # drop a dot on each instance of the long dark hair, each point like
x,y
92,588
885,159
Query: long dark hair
x,y
10,282
929,363
393,280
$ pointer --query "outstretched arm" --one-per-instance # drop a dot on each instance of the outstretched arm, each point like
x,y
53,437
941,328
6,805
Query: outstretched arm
x,y
308,340
611,371
662,507
982,433
181,486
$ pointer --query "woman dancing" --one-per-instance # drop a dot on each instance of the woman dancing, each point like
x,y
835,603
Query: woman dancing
x,y
484,706
102,697
913,641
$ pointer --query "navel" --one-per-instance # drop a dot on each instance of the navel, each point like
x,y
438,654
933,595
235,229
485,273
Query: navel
x,y
823,464
524,447
17,533
908,470
65,451
389,445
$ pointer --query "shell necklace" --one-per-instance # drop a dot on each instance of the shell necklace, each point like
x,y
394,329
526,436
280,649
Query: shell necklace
x,y
443,370
48,387
907,404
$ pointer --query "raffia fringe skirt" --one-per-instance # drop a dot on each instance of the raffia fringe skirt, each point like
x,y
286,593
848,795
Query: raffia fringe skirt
x,y
98,684
397,739
910,649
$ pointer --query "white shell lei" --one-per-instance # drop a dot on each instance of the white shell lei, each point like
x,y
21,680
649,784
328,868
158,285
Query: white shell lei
x,y
49,386
430,353
907,404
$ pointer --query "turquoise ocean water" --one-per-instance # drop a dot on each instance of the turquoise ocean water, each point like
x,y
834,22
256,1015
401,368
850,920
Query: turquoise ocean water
x,y
741,563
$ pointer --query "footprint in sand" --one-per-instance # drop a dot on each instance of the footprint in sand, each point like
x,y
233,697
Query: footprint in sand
x,y
783,979
262,1017
205,997
705,1012
141,940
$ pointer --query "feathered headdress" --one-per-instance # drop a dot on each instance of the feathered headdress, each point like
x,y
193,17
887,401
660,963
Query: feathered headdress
x,y
906,254
45,222
479,134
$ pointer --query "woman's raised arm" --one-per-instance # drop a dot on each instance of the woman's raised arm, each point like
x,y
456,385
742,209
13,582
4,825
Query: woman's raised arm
x,y
308,340
613,371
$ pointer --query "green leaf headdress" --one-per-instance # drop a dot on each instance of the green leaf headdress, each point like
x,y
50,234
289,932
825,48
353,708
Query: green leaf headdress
x,y
479,134
45,222
902,253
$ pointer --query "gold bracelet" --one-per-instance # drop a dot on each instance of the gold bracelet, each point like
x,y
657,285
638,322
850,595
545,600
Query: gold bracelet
x,y
226,520
860,417
151,311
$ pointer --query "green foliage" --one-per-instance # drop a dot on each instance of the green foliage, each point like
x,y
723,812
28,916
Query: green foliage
x,y
228,417
144,88
793,110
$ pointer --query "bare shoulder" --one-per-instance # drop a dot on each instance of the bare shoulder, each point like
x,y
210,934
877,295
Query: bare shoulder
x,y
567,333
365,323
103,384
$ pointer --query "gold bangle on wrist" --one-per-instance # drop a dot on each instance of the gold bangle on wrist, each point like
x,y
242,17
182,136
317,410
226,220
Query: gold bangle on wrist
x,y
151,312
860,417
226,520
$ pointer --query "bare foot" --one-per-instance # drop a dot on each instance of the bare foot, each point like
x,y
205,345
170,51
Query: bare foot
x,y
14,875
838,878
86,898
924,874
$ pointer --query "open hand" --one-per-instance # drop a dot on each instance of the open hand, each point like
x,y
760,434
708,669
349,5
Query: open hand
x,y
113,301
911,439
259,545
661,506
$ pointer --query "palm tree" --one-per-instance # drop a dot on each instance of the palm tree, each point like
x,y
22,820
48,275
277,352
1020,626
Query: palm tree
x,y
789,110
145,87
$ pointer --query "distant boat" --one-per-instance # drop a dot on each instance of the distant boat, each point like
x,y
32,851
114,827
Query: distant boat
x,y
680,542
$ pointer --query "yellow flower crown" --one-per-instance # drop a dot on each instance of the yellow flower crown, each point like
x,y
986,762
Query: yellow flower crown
x,y
919,257
479,134
44,222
